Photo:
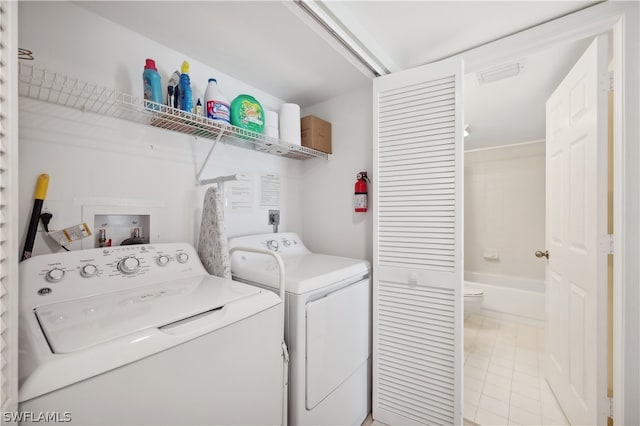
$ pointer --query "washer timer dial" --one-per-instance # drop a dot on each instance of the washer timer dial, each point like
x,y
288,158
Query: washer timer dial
x,y
182,257
129,265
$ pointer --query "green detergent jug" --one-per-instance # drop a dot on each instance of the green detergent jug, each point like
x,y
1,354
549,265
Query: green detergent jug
x,y
247,113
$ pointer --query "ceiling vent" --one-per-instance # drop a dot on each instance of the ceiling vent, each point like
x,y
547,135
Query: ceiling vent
x,y
499,72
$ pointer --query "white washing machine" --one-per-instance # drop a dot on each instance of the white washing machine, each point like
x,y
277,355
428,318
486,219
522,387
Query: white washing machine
x,y
142,335
327,326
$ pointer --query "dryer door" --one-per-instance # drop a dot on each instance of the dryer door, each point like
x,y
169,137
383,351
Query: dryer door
x,y
337,339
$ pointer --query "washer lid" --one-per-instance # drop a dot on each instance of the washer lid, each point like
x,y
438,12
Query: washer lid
x,y
303,273
78,324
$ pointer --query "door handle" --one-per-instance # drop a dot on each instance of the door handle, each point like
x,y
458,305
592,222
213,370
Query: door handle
x,y
540,254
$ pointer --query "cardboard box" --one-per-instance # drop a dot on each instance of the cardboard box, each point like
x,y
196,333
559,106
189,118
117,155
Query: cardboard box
x,y
316,133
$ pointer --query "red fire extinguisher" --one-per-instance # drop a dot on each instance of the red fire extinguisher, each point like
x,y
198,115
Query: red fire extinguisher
x,y
361,198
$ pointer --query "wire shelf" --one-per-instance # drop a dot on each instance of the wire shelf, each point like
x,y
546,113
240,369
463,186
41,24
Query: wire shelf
x,y
43,85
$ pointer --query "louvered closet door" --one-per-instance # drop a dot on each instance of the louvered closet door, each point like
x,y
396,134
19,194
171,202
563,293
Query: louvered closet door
x,y
418,269
8,208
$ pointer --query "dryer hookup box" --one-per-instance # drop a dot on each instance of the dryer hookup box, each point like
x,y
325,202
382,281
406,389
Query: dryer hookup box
x,y
316,133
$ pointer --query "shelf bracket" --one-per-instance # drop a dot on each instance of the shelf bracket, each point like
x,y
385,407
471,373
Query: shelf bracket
x,y
220,180
206,159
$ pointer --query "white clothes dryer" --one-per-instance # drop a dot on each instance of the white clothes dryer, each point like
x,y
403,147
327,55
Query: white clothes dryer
x,y
142,335
327,326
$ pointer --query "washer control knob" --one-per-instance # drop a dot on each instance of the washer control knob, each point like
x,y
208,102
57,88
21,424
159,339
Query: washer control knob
x,y
163,260
273,245
129,265
286,242
182,257
89,270
54,275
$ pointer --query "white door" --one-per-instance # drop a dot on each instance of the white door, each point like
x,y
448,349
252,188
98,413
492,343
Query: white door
x,y
9,246
576,227
418,270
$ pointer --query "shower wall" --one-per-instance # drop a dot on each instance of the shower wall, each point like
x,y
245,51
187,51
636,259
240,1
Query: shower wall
x,y
505,210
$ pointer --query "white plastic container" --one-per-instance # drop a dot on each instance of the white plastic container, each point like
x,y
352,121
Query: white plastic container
x,y
271,124
290,124
216,104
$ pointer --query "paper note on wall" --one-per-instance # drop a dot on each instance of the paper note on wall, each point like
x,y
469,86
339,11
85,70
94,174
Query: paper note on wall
x,y
240,194
270,190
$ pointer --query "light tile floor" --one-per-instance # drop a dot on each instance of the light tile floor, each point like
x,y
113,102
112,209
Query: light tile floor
x,y
503,382
370,422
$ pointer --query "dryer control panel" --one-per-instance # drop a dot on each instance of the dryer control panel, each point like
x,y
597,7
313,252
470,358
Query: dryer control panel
x,y
263,268
286,244
61,276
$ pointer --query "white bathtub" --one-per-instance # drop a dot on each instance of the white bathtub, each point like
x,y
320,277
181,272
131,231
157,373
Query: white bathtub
x,y
509,295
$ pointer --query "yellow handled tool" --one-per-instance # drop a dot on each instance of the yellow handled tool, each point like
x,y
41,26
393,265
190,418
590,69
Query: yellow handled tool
x,y
38,199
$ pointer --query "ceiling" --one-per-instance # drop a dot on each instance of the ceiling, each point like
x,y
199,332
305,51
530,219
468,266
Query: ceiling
x,y
275,46
512,110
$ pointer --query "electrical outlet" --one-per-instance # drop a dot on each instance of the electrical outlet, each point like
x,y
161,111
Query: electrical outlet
x,y
274,217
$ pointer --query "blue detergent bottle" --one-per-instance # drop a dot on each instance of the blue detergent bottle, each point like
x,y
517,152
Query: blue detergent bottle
x,y
152,83
186,97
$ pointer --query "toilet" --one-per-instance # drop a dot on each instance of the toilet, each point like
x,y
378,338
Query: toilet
x,y
472,300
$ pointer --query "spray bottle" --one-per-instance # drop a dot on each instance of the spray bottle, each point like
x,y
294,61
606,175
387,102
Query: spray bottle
x,y
185,95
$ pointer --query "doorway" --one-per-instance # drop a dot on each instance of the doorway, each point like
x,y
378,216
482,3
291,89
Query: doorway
x,y
604,18
504,340
504,227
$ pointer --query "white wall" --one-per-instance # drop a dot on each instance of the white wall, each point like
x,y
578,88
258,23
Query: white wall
x,y
505,209
94,160
330,224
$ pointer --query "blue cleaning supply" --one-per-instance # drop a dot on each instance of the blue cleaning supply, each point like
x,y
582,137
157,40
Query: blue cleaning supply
x,y
152,84
186,97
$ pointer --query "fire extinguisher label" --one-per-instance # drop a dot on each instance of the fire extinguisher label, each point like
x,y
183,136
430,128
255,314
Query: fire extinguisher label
x,y
361,201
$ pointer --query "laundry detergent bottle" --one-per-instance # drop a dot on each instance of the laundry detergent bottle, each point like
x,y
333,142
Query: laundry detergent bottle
x,y
216,104
152,83
247,113
185,96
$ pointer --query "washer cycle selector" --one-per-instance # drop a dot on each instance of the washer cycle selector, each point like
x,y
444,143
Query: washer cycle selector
x,y
273,245
182,257
88,270
163,260
54,275
129,265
